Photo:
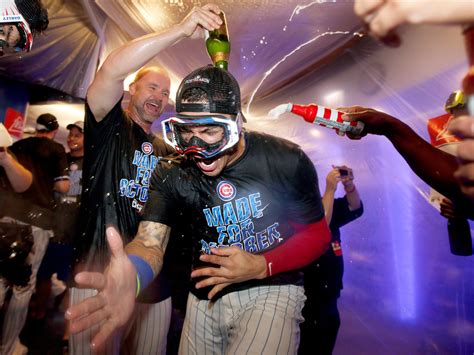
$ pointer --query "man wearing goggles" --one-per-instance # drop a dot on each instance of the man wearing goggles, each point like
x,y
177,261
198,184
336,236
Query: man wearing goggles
x,y
206,129
19,21
250,207
203,136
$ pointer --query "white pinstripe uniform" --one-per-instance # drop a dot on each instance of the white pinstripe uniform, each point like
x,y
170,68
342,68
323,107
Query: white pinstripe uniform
x,y
17,311
258,320
143,334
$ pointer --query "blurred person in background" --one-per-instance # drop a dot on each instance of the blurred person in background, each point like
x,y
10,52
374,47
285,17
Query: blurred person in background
x,y
323,277
46,160
55,269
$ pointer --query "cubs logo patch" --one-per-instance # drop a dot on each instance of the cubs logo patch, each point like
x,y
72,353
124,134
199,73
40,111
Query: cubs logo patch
x,y
226,191
147,148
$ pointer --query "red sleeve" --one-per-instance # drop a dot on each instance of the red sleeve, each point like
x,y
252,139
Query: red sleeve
x,y
309,242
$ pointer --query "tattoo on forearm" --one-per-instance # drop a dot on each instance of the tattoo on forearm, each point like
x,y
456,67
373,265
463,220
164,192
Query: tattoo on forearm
x,y
150,244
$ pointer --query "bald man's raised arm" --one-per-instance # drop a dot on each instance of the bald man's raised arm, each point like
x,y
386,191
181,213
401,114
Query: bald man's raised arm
x,y
107,87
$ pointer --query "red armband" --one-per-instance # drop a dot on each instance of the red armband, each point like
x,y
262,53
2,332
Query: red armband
x,y
309,242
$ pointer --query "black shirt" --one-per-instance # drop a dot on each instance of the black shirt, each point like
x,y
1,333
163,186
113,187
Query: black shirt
x,y
69,203
323,277
46,160
5,188
119,159
249,205
4,182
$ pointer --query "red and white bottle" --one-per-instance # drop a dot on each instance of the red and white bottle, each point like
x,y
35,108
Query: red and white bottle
x,y
322,116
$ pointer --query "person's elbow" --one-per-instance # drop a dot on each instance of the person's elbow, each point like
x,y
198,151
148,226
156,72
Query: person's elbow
x,y
23,184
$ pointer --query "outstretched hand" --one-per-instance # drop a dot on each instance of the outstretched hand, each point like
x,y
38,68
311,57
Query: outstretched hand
x,y
200,19
113,305
233,265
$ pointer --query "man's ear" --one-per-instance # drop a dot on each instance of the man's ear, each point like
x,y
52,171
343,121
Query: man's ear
x,y
132,88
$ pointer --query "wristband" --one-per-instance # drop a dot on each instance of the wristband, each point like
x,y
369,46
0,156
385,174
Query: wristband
x,y
144,272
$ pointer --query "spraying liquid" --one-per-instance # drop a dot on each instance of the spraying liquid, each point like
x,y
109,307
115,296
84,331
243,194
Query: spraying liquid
x,y
321,116
276,112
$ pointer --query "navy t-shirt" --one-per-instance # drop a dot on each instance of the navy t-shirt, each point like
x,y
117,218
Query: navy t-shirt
x,y
323,277
46,160
249,205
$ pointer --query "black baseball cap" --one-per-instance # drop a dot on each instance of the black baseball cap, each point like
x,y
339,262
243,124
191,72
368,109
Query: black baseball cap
x,y
221,87
47,122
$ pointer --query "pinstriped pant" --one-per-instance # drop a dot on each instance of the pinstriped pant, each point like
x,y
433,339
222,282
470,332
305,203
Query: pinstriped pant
x,y
259,320
17,311
146,332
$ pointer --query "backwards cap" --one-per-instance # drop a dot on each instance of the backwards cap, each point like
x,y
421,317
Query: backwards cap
x,y
46,122
223,92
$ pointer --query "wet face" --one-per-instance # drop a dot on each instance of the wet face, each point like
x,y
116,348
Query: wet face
x,y
75,139
9,36
150,95
211,134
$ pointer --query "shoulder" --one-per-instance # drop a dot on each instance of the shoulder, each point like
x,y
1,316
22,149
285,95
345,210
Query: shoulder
x,y
115,111
267,141
22,142
53,146
175,165
278,152
174,177
161,148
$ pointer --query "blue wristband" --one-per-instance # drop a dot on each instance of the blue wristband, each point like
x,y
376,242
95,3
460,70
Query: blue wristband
x,y
144,272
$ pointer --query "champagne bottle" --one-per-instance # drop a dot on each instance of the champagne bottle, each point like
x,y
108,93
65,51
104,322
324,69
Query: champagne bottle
x,y
218,44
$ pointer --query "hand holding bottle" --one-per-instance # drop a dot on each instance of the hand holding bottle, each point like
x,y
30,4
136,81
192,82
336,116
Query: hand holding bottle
x,y
375,122
218,44
321,116
200,19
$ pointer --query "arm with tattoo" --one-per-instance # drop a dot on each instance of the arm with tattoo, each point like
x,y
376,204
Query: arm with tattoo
x,y
146,251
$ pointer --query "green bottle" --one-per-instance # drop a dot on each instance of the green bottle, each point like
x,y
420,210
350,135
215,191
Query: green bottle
x,y
218,44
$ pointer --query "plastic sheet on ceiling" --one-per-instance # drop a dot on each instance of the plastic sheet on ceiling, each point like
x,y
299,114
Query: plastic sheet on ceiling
x,y
64,58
